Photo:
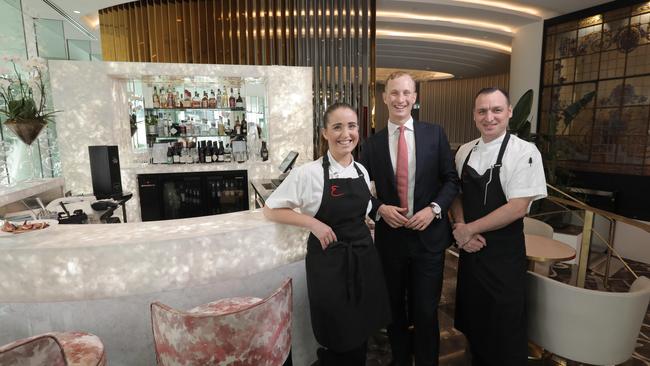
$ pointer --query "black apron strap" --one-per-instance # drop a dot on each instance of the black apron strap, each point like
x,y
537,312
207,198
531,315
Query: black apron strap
x,y
502,150
468,155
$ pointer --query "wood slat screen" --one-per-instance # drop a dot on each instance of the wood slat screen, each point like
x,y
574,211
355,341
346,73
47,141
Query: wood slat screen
x,y
450,102
336,38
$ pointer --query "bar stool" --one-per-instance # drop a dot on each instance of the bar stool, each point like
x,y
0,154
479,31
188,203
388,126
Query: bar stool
x,y
55,349
242,331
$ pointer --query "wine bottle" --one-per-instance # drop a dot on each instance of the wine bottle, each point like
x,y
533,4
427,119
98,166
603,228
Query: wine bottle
x,y
170,97
208,152
244,126
215,151
176,155
264,153
239,103
221,153
187,99
170,154
218,99
224,98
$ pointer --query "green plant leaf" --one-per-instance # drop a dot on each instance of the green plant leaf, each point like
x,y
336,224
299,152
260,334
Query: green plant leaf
x,y
519,123
570,112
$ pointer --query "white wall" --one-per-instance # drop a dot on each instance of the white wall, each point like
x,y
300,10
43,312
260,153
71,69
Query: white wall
x,y
632,243
525,65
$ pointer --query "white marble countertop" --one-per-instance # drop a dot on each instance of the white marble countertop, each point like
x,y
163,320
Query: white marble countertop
x,y
75,262
22,190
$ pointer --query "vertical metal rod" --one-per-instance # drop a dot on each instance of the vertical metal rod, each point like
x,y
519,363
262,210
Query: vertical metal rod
x,y
610,249
583,262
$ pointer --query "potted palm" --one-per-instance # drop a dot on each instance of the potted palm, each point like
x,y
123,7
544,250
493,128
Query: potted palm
x,y
23,99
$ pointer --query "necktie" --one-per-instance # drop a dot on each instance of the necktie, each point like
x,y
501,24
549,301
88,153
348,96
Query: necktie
x,y
402,169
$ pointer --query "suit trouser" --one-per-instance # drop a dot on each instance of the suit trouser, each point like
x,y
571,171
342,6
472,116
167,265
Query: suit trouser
x,y
406,260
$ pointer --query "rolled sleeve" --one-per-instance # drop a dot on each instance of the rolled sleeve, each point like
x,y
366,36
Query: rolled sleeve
x,y
527,178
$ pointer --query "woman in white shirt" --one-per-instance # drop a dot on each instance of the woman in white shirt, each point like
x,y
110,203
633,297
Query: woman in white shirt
x,y
347,294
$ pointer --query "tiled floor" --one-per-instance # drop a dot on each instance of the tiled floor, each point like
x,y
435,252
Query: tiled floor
x,y
452,347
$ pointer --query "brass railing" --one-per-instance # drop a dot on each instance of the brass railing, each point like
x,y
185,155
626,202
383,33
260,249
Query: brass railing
x,y
569,203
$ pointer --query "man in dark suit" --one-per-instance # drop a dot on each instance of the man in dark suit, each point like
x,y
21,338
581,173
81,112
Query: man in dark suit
x,y
416,181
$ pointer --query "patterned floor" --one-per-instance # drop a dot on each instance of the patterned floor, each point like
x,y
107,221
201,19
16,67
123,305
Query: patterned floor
x,y
452,343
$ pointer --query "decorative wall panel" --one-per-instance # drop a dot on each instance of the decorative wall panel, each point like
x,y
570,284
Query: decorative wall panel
x,y
606,50
335,38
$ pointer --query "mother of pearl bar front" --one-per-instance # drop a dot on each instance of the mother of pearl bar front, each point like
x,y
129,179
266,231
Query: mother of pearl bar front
x,y
83,262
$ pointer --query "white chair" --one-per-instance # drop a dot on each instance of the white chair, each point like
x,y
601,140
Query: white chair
x,y
594,327
537,227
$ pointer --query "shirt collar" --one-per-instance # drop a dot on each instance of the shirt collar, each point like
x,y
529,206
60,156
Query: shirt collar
x,y
496,141
335,166
392,127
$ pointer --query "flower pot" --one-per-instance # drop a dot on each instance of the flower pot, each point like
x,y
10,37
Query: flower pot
x,y
27,130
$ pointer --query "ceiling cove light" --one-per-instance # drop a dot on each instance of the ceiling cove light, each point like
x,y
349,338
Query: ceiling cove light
x,y
435,18
76,11
504,5
445,38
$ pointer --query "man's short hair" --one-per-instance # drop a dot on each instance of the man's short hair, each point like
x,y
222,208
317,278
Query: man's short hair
x,y
397,74
490,90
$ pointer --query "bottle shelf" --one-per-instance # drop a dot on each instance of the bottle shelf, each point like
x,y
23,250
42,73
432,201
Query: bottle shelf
x,y
197,109
180,136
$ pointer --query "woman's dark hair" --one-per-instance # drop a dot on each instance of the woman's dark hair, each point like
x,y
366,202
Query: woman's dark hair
x,y
490,90
326,116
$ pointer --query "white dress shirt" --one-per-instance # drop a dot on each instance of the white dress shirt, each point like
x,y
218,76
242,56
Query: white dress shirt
x,y
303,187
393,140
522,171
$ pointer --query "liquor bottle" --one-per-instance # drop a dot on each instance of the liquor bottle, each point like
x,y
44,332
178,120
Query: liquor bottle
x,y
170,154
183,128
212,102
155,98
163,98
224,98
170,97
174,129
204,100
187,99
237,127
215,152
178,100
219,105
239,103
231,101
196,100
264,153
220,128
228,128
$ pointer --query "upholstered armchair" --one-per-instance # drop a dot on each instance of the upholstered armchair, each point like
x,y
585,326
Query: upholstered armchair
x,y
242,331
55,349
587,326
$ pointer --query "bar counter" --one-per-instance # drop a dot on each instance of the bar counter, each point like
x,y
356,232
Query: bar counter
x,y
102,278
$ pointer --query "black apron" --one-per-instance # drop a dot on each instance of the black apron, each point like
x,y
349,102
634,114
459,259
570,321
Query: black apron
x,y
490,293
348,300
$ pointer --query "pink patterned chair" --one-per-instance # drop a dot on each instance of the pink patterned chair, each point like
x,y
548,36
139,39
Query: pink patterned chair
x,y
243,331
55,349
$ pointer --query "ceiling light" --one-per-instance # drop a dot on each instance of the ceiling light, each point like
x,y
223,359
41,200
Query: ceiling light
x,y
435,18
504,5
445,38
76,11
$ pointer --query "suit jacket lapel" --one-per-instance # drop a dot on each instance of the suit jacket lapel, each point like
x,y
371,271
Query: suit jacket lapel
x,y
420,143
384,151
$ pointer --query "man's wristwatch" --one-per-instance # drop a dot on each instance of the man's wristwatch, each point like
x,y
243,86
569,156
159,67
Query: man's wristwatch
x,y
437,212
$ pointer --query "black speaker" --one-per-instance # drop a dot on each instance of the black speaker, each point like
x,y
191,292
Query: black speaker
x,y
105,171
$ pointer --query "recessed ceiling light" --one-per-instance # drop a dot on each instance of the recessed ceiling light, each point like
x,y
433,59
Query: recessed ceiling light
x,y
436,18
76,11
503,5
386,33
